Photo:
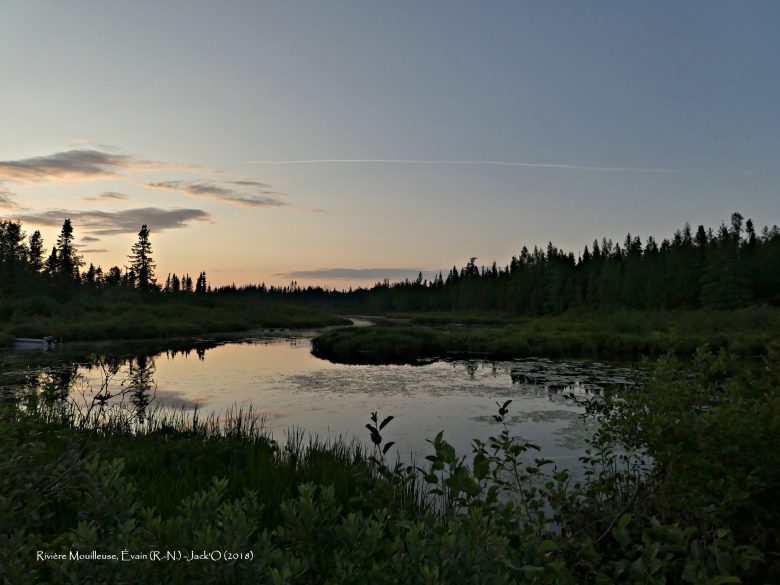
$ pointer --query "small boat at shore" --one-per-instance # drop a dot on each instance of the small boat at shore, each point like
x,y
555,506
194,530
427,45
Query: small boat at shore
x,y
29,343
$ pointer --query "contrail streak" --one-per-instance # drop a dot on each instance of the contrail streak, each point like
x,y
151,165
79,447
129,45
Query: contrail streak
x,y
497,163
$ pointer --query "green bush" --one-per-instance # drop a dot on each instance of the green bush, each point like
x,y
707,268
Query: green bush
x,y
680,486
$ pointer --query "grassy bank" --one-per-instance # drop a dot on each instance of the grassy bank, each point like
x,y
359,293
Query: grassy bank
x,y
84,315
704,510
621,334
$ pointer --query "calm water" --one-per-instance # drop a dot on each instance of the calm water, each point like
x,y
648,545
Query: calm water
x,y
281,380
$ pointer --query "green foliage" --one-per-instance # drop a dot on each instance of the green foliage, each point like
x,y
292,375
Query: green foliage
x,y
679,487
617,334
710,439
120,313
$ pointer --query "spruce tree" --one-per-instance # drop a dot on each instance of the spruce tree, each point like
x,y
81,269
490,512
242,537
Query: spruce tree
x,y
36,251
68,261
12,248
141,261
200,284
52,263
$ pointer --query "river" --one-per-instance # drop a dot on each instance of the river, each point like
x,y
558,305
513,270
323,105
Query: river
x,y
293,390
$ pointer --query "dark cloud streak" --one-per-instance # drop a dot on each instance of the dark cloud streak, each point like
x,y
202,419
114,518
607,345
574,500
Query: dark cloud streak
x,y
108,196
256,184
127,221
6,201
72,165
261,198
359,273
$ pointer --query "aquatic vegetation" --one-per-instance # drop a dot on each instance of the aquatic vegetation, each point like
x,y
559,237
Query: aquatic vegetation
x,y
678,487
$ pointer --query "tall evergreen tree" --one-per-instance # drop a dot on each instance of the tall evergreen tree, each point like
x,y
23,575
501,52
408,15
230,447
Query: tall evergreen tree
x,y
68,260
89,275
200,284
36,251
12,248
141,261
52,263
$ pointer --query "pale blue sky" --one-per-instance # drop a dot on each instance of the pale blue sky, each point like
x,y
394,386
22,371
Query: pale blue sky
x,y
669,109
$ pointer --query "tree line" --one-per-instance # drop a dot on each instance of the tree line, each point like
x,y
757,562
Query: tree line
x,y
64,266
724,268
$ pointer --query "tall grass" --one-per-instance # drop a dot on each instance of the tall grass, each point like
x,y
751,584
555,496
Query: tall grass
x,y
622,334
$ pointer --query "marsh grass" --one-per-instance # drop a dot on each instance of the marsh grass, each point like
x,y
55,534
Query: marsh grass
x,y
87,315
620,335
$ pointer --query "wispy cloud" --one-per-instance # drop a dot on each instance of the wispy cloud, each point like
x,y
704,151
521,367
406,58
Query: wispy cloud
x,y
73,165
108,196
358,273
84,164
256,184
260,196
6,200
498,163
90,239
105,223
94,251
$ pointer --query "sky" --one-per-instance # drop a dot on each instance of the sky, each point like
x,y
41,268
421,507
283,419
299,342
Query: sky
x,y
338,143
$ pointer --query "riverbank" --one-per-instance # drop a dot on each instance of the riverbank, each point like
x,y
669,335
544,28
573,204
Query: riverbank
x,y
128,314
616,335
319,513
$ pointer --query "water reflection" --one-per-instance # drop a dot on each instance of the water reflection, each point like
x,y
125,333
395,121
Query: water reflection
x,y
141,384
293,389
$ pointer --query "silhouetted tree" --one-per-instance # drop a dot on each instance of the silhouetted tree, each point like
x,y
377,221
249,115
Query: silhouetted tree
x,y
68,261
200,284
89,275
35,258
12,248
52,263
141,261
114,276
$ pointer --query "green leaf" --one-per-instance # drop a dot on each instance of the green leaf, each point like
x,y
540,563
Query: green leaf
x,y
437,439
726,579
481,466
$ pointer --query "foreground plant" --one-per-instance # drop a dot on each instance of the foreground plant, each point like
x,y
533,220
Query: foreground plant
x,y
676,489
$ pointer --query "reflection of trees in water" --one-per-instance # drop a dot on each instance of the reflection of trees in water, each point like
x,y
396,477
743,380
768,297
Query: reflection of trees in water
x,y
200,351
140,383
56,384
